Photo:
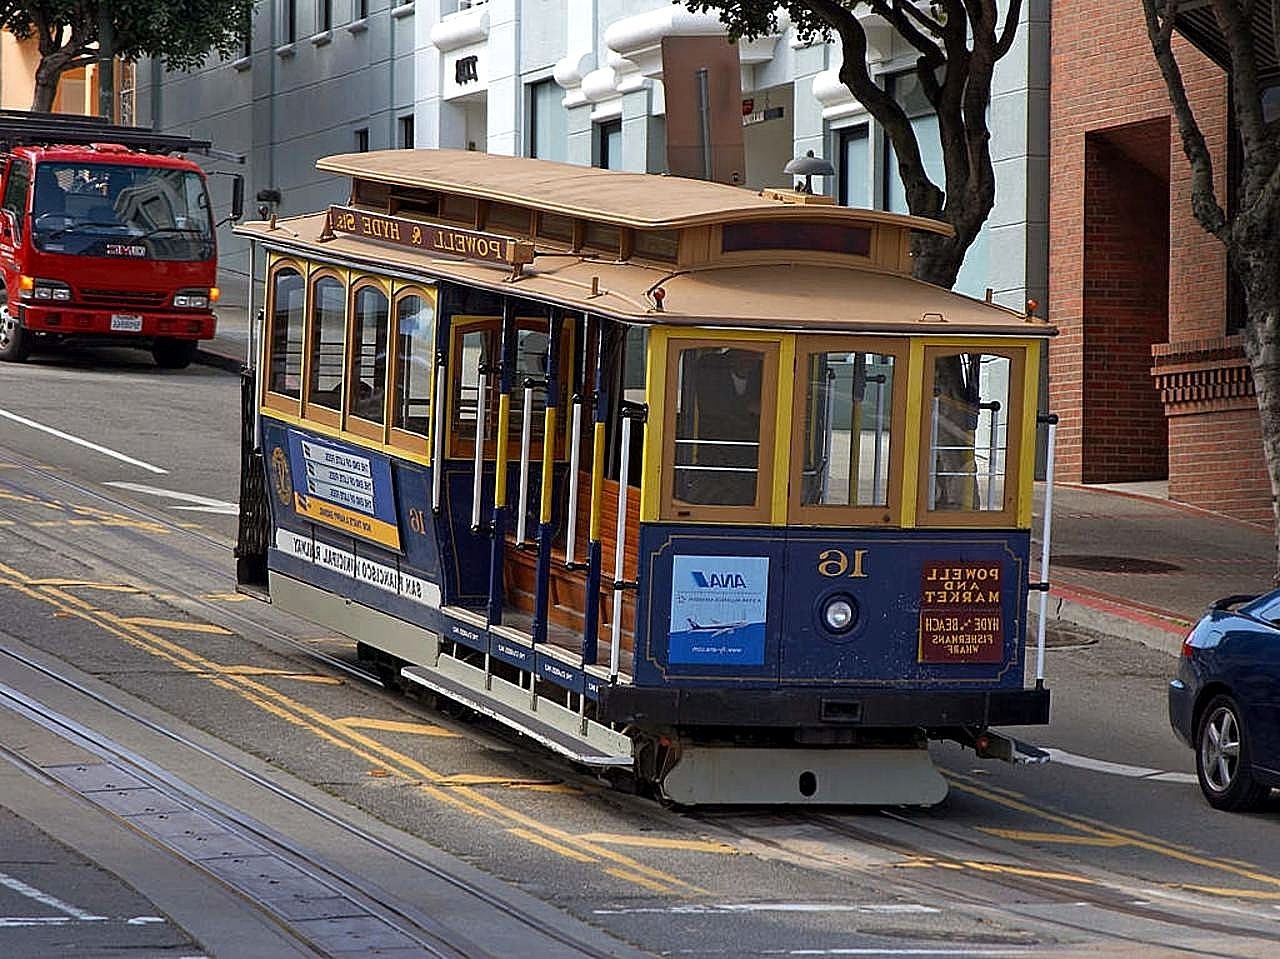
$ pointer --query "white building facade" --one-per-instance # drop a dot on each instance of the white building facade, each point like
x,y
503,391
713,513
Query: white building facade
x,y
580,81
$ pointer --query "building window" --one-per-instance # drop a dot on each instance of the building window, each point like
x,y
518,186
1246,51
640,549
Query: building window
x,y
360,9
906,89
609,145
362,140
290,21
406,132
548,122
324,16
855,167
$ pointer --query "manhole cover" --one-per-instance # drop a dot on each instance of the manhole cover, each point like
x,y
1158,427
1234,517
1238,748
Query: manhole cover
x,y
1114,564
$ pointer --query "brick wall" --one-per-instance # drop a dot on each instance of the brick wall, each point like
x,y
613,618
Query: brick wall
x,y
1125,308
1104,78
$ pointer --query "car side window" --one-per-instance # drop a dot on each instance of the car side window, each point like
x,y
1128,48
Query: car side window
x,y
1267,608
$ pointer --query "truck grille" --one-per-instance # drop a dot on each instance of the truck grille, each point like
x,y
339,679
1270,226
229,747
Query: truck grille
x,y
141,298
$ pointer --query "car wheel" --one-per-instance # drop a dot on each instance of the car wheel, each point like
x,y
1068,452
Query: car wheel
x,y
173,354
1224,765
15,342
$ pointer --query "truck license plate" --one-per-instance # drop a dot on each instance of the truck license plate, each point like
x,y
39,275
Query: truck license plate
x,y
126,323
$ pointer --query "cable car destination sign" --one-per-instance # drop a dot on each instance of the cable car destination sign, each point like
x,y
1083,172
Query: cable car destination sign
x,y
432,237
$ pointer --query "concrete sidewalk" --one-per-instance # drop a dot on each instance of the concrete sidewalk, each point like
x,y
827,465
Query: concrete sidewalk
x,y
1125,564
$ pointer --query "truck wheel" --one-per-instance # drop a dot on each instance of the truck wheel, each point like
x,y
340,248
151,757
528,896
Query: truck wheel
x,y
15,342
173,354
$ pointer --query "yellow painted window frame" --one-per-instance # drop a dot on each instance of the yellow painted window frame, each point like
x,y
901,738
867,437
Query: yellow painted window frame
x,y
656,501
282,402
838,515
316,412
402,439
357,425
1023,356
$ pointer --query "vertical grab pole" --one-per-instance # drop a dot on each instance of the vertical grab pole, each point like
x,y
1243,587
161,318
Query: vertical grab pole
x,y
478,464
615,647
992,448
591,610
575,443
437,434
877,458
498,542
526,436
1052,420
542,582
933,456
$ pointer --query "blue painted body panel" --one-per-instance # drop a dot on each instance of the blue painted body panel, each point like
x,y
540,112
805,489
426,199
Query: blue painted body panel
x,y
883,647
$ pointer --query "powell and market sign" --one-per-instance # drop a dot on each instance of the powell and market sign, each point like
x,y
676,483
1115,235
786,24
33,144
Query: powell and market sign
x,y
467,244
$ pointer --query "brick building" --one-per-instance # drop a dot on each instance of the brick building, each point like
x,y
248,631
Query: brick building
x,y
1148,374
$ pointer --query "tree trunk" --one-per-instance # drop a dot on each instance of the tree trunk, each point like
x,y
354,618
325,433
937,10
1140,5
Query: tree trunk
x,y
1262,348
48,73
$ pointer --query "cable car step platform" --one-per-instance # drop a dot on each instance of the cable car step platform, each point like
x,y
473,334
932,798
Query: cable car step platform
x,y
559,729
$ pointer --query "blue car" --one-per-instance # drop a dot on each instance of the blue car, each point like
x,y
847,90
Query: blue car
x,y
1225,701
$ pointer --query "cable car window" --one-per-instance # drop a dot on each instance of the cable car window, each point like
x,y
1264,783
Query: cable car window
x,y
288,317
717,426
969,432
369,355
531,364
475,346
328,341
415,342
848,429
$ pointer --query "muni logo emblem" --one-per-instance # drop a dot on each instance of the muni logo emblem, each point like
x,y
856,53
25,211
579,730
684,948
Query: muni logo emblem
x,y
718,580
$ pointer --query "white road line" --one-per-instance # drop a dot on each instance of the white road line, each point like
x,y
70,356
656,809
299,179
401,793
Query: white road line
x,y
1117,769
82,442
694,909
44,898
201,504
924,951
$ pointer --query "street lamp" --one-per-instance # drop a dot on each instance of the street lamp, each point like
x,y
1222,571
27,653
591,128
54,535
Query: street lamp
x,y
808,166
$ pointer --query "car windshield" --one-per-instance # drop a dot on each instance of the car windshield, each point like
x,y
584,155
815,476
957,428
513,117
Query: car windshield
x,y
118,210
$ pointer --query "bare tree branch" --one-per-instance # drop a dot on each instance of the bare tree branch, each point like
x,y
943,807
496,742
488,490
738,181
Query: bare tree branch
x,y
1007,35
1160,16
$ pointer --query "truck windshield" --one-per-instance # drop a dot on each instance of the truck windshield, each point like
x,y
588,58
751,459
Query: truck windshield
x,y
118,210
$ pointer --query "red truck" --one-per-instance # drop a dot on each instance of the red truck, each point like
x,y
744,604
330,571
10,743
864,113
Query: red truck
x,y
106,234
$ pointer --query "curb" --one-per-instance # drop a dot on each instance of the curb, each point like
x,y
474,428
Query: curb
x,y
1116,617
232,364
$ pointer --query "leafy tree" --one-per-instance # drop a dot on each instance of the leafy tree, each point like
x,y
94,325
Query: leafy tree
x,y
1246,226
959,43
182,32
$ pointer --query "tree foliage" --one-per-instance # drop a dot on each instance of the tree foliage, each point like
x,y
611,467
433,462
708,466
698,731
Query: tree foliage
x,y
957,45
181,32
1246,225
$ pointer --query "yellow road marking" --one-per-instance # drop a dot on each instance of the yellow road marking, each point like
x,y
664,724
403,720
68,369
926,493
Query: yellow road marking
x,y
658,842
328,729
1261,895
639,880
1007,869
394,726
225,597
182,625
1135,839
476,779
282,673
545,843
86,584
1024,835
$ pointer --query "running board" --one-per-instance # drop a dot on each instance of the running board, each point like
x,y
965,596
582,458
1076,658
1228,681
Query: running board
x,y
523,719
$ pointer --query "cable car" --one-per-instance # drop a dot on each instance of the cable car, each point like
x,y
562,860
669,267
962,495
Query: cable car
x,y
667,475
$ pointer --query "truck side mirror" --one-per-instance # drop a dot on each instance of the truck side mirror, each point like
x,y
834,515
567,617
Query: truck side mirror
x,y
237,197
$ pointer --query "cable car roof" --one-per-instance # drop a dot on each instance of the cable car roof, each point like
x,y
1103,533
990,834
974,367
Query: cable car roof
x,y
612,196
788,295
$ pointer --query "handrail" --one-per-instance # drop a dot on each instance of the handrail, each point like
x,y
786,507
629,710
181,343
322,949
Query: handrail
x,y
477,478
526,433
629,412
1052,420
437,438
575,455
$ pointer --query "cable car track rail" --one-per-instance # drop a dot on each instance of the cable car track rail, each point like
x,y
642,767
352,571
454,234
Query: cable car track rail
x,y
435,941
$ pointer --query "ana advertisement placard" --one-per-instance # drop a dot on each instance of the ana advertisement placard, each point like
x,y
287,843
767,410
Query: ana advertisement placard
x,y
718,610
343,488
